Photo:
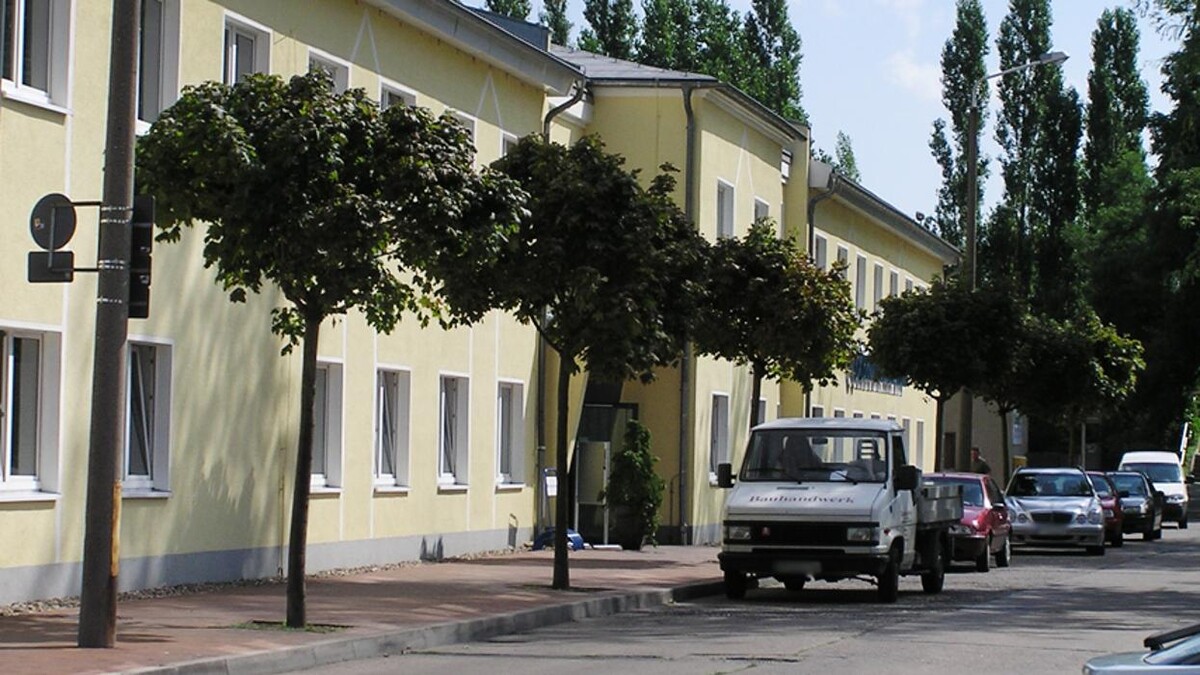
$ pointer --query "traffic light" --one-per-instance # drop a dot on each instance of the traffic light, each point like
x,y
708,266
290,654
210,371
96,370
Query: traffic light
x,y
141,242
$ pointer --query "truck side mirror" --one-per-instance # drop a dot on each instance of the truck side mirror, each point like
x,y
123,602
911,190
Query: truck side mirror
x,y
725,475
907,477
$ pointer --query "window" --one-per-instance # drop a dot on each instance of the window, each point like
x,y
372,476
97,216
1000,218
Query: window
x,y
452,436
875,416
718,444
158,58
391,427
761,209
390,95
785,165
508,142
858,414
838,412
327,426
843,257
919,444
29,376
247,49
35,50
724,210
878,285
338,70
510,432
820,252
762,410
147,417
860,282
817,411
893,283
907,424
908,285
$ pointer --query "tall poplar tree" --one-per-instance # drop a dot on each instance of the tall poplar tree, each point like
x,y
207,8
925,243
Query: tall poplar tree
x,y
963,71
668,34
554,17
720,51
612,28
517,9
772,52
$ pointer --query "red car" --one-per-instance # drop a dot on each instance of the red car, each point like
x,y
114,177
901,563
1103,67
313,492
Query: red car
x,y
1111,503
985,528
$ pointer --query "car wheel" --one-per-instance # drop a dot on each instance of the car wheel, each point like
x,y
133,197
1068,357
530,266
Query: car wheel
x,y
1118,539
935,579
889,581
1148,533
1183,523
1004,556
735,585
1157,533
984,562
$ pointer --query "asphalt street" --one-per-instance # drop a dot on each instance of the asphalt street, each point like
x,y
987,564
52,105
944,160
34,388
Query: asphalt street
x,y
1048,613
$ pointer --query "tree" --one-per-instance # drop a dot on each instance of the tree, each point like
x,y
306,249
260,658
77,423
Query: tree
x,y
517,9
1005,357
668,37
766,305
331,202
719,51
604,268
612,28
963,71
554,17
772,57
930,337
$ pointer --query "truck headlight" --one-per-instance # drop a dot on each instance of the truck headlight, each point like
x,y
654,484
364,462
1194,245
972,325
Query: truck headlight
x,y
737,532
860,534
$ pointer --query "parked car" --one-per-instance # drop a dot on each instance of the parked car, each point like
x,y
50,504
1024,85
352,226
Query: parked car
x,y
984,531
1114,519
1055,507
1165,472
1176,651
1141,503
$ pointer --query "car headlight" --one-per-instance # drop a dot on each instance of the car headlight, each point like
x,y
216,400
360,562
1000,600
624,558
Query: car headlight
x,y
1095,517
1022,518
1081,518
1176,499
860,534
737,532
1143,507
1109,513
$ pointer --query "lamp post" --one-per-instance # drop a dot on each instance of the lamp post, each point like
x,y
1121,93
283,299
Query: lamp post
x,y
966,410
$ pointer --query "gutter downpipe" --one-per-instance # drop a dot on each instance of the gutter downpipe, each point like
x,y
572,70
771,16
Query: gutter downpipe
x,y
831,189
580,88
685,365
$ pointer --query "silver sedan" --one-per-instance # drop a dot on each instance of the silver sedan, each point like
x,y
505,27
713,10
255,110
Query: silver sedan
x,y
1056,508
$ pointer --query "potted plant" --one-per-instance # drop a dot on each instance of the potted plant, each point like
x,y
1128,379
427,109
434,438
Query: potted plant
x,y
634,491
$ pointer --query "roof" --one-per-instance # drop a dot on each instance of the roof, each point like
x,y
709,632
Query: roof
x,y
482,37
830,424
824,177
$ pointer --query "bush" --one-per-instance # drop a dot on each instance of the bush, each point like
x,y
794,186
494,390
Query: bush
x,y
634,485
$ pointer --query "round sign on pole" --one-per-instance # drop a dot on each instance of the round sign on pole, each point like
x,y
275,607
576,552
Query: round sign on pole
x,y
52,222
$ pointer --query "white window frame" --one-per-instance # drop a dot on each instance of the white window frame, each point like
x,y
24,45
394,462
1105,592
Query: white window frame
x,y
452,462
877,285
393,397
893,283
843,256
168,64
57,55
817,411
46,411
471,125
157,479
508,141
839,412
338,69
718,439
908,285
820,252
860,281
726,196
328,475
510,432
260,35
762,209
388,88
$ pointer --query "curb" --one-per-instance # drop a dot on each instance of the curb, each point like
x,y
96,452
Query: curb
x,y
329,652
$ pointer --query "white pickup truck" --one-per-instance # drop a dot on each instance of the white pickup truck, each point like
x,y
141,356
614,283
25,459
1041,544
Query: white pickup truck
x,y
832,499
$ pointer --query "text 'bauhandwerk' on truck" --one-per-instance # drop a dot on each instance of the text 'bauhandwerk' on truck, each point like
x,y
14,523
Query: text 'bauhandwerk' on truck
x,y
831,499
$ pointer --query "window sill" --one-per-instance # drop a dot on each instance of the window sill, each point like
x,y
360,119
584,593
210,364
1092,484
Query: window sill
x,y
325,491
452,488
509,487
389,490
142,493
11,92
29,496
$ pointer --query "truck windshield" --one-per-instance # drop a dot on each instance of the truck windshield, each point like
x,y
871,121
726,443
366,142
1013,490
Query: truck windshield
x,y
809,455
1156,472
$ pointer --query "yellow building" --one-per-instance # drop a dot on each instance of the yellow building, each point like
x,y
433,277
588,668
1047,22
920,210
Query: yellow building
x,y
428,443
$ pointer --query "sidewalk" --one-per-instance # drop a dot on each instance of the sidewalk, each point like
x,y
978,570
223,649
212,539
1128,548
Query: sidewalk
x,y
383,612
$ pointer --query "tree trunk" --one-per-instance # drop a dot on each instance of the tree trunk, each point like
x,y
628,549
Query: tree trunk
x,y
1005,451
939,460
755,394
298,540
562,570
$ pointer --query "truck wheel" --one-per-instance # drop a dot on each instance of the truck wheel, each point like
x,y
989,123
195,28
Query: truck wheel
x,y
889,581
1004,557
735,585
984,562
934,579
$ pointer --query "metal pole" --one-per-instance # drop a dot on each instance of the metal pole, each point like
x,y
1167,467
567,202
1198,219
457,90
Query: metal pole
x,y
98,599
967,408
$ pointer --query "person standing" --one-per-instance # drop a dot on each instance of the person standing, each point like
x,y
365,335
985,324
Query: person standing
x,y
978,463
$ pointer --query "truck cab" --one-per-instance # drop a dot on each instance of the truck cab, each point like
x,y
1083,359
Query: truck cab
x,y
830,499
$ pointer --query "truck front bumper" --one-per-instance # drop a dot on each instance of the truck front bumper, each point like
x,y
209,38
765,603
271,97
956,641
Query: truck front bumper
x,y
815,563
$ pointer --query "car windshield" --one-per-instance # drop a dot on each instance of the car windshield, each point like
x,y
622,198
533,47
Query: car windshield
x,y
1100,485
1049,485
1157,472
1131,483
810,455
972,490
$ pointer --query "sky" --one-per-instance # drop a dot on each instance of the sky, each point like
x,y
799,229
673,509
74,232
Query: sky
x,y
872,69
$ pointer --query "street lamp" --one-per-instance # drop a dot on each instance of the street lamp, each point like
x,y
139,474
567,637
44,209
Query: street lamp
x,y
966,411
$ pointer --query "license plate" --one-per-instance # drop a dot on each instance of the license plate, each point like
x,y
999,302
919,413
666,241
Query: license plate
x,y
810,567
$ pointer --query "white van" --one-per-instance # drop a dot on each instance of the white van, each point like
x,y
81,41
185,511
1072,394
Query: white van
x,y
1165,472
